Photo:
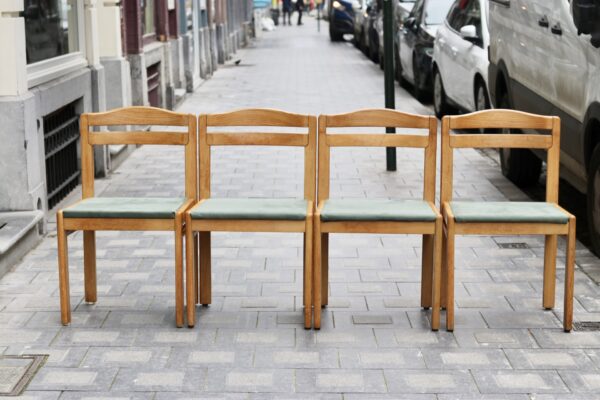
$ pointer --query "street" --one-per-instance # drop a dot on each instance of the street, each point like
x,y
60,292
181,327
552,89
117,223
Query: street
x,y
375,341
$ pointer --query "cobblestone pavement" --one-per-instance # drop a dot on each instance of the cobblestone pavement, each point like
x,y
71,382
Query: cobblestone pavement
x,y
375,342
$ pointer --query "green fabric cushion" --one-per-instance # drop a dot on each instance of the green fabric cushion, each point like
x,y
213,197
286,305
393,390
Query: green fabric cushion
x,y
507,211
377,210
125,207
262,209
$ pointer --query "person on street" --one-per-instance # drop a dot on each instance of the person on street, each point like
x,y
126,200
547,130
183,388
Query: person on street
x,y
287,10
300,8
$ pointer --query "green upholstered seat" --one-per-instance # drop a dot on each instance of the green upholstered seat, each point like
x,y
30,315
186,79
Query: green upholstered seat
x,y
507,211
124,207
377,210
260,209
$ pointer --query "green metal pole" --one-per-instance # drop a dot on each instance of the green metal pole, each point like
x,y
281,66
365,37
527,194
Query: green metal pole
x,y
388,67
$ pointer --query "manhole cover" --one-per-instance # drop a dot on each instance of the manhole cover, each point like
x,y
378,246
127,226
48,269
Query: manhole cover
x,y
587,326
17,371
513,245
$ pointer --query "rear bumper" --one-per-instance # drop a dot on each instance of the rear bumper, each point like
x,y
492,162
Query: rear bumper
x,y
342,22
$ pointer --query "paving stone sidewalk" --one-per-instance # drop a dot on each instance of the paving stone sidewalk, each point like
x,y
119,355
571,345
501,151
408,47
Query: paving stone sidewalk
x,y
375,342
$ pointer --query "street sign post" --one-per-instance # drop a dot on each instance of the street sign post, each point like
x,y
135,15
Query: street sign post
x,y
388,66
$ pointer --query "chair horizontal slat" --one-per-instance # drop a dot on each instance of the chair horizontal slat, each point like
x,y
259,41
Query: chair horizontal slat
x,y
509,119
138,116
387,227
257,139
149,137
516,141
510,228
377,140
378,118
118,224
258,117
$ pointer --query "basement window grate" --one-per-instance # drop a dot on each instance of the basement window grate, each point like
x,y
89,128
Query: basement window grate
x,y
2,224
61,135
513,245
589,326
17,371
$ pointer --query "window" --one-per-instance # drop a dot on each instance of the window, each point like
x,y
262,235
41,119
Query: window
x,y
189,16
463,13
436,11
51,29
149,22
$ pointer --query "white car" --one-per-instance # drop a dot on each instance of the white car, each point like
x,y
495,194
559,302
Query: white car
x,y
544,60
460,59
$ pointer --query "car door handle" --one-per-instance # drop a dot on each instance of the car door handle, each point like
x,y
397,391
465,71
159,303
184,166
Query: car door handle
x,y
556,29
454,50
543,22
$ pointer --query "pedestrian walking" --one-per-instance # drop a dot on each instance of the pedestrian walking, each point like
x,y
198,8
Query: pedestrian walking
x,y
300,8
287,10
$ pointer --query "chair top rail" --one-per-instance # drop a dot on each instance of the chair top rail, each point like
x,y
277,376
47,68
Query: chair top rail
x,y
500,118
486,141
138,138
257,139
377,140
258,117
138,115
377,118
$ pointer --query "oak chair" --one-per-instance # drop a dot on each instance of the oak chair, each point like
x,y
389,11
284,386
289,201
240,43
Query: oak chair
x,y
93,214
379,216
507,218
250,214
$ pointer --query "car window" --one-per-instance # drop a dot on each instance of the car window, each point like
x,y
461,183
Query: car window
x,y
416,11
463,13
436,11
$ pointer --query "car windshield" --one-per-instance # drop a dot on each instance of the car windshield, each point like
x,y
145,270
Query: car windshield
x,y
436,11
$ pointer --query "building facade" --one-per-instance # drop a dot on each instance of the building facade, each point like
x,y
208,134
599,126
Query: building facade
x,y
67,57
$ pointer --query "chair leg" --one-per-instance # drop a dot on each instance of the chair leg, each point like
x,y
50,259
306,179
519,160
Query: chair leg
x,y
205,269
450,278
569,278
549,271
196,266
308,271
89,266
317,273
324,269
444,277
435,284
179,270
63,271
190,273
426,270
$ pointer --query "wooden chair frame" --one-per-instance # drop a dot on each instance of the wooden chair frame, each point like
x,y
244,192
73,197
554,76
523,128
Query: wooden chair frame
x,y
507,119
431,231
250,118
122,117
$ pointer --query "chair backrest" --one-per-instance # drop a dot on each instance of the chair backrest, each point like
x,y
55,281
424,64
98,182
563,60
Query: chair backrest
x,y
377,118
138,116
501,119
259,118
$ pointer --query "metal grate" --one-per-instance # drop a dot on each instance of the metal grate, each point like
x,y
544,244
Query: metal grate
x,y
586,326
61,134
513,245
17,371
153,73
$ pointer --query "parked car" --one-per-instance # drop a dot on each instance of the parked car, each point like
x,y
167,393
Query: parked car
x,y
460,59
540,64
415,44
374,12
341,18
360,23
402,10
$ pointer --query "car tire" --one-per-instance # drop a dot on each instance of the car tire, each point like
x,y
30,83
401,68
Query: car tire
x,y
440,103
334,35
419,93
593,200
397,65
381,62
520,166
363,43
374,52
482,99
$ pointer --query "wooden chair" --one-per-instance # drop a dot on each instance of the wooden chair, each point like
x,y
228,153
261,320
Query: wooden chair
x,y
507,218
93,214
250,215
379,216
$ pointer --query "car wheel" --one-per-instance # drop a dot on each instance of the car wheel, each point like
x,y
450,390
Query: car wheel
x,y
440,103
482,100
593,200
363,43
397,65
381,61
521,166
373,52
334,35
420,94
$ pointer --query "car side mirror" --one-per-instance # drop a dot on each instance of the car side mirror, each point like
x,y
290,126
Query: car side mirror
x,y
469,33
368,10
410,22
